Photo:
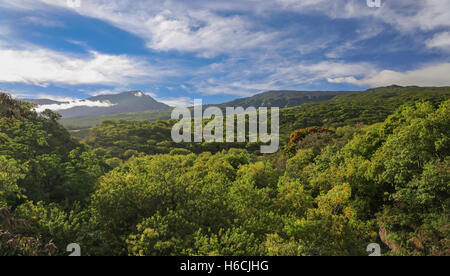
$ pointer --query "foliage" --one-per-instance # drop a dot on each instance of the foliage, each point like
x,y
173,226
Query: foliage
x,y
336,189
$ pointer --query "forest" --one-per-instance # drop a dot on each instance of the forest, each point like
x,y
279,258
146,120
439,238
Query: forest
x,y
360,168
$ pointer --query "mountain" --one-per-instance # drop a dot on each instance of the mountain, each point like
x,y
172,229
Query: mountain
x,y
131,101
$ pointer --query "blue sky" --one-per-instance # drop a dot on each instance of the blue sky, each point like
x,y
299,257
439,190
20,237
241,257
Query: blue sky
x,y
219,50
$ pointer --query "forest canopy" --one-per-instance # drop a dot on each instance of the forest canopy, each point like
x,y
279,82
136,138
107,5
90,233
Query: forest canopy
x,y
353,170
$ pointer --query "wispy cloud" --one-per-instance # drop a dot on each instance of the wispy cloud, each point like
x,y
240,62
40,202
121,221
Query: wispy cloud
x,y
172,25
212,27
441,41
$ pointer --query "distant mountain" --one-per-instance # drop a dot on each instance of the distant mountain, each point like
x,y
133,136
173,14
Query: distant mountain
x,y
131,101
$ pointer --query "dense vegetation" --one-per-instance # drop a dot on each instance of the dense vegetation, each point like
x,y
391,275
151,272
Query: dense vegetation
x,y
374,169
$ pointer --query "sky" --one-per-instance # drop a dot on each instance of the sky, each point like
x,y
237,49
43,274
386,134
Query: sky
x,y
219,50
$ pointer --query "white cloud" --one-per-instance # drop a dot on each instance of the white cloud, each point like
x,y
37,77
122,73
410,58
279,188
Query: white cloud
x,y
202,32
201,26
41,67
441,41
430,15
71,104
432,75
171,25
